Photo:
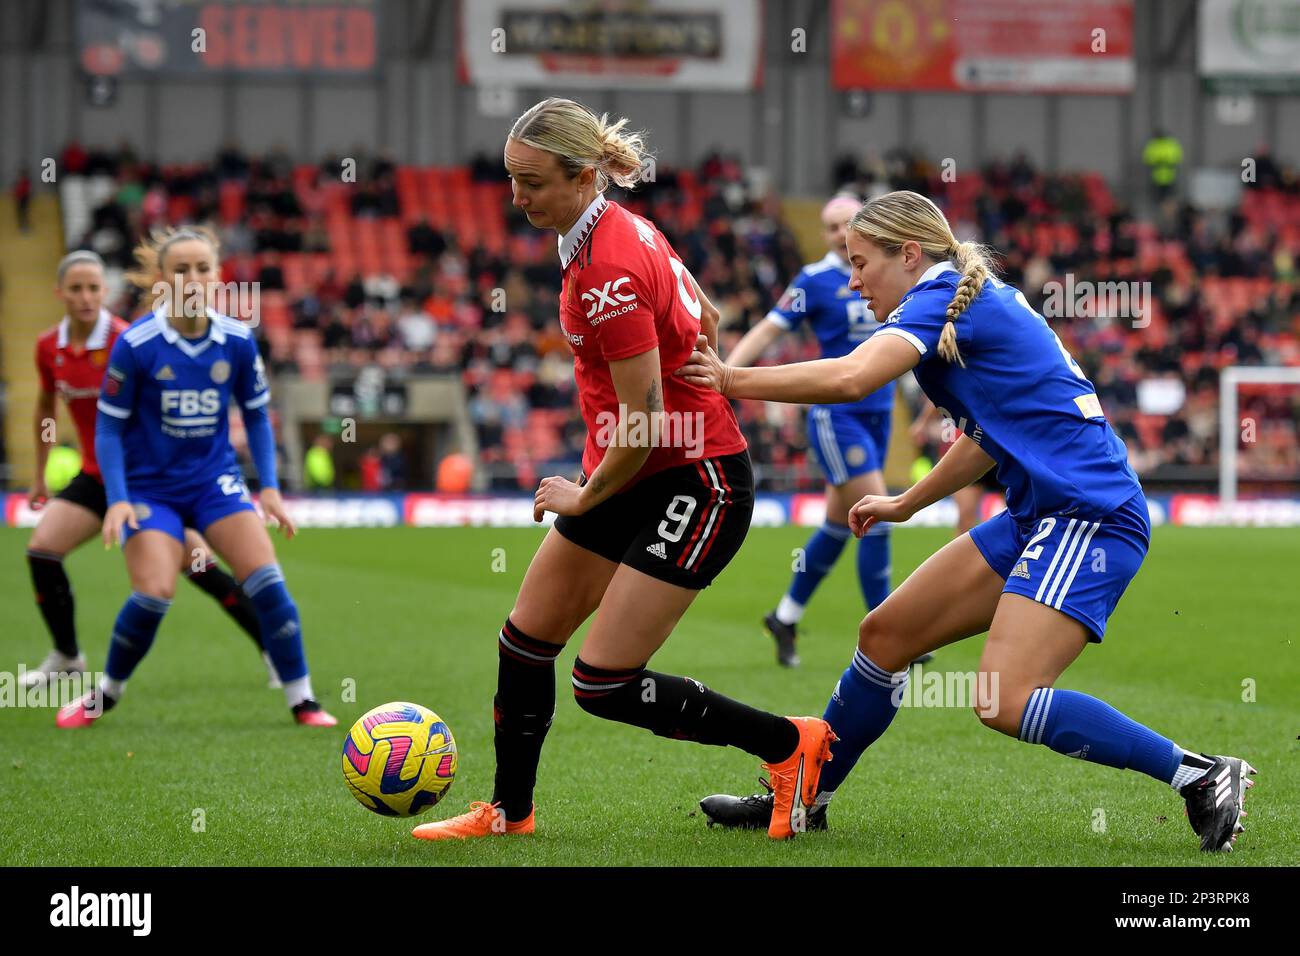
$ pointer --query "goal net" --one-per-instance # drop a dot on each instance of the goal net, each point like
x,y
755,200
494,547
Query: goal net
x,y
1259,411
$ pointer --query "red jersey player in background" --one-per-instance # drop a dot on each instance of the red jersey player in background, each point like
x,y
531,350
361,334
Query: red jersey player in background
x,y
665,499
71,358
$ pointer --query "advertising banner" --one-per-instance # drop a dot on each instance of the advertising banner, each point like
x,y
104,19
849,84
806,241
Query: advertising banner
x,y
1053,46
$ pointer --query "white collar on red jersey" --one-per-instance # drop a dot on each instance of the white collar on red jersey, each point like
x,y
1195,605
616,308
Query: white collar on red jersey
x,y
572,240
98,337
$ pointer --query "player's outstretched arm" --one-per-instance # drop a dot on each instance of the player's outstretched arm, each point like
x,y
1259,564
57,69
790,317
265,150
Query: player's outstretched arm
x,y
877,361
964,462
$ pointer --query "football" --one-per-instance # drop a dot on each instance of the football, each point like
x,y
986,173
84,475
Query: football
x,y
399,759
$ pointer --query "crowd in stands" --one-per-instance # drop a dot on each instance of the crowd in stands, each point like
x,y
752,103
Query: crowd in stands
x,y
1222,287
363,262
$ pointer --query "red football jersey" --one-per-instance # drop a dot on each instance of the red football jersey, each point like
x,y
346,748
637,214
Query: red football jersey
x,y
76,373
625,292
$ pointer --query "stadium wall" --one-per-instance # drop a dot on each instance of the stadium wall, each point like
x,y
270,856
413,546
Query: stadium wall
x,y
792,126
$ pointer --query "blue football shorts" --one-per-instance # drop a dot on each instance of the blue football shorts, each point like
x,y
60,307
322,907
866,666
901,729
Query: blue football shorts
x,y
1079,566
847,442
196,506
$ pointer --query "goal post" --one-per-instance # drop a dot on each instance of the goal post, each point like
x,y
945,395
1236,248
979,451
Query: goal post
x,y
1229,426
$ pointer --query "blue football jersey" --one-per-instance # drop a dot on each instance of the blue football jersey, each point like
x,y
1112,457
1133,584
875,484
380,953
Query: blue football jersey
x,y
838,317
1020,396
173,392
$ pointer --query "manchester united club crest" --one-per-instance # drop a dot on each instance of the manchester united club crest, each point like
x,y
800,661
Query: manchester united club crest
x,y
220,371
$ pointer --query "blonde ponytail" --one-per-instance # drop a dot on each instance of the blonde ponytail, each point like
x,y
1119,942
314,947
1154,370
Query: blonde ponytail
x,y
623,155
973,263
903,216
579,138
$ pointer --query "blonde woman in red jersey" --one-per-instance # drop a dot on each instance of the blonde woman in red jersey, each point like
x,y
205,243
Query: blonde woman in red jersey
x,y
665,499
70,360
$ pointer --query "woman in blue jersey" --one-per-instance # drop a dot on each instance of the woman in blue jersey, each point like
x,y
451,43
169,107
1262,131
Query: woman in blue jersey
x,y
162,439
1042,577
849,441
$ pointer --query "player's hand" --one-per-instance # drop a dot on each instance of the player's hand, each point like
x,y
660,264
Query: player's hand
x,y
116,518
558,495
875,508
276,516
38,495
704,367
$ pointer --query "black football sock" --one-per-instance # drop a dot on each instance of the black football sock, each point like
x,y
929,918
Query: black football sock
x,y
682,708
227,592
522,709
54,597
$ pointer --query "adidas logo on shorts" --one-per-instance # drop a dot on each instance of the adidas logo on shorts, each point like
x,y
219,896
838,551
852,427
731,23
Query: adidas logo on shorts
x,y
1021,570
658,550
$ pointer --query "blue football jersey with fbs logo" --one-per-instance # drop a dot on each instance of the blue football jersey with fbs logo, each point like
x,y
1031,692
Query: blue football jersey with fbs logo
x,y
173,393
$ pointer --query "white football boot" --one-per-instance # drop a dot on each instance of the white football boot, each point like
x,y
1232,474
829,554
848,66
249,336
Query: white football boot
x,y
57,664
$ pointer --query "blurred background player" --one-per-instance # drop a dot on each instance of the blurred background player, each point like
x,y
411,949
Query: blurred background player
x,y
318,465
71,358
1043,576
162,440
654,520
850,441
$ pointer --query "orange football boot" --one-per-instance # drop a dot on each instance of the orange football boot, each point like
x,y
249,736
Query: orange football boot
x,y
794,780
483,819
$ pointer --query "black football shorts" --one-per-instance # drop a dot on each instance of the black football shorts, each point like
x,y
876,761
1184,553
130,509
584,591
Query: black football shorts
x,y
87,491
681,525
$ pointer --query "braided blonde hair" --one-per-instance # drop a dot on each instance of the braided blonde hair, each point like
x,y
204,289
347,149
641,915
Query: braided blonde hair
x,y
579,138
897,217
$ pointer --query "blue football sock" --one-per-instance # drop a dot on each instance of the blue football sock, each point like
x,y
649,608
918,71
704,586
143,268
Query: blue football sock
x,y
864,702
277,617
1080,726
874,569
820,555
133,634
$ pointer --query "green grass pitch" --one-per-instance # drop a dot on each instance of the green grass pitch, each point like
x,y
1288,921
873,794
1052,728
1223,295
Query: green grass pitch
x,y
413,614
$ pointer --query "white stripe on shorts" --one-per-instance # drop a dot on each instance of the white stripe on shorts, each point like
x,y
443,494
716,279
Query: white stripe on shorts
x,y
1078,559
721,499
839,472
1065,540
